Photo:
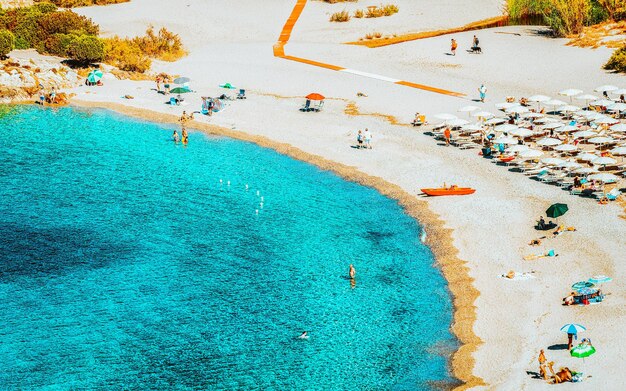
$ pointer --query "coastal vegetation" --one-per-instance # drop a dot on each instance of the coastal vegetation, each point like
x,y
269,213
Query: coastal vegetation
x,y
342,16
7,42
371,12
81,3
617,62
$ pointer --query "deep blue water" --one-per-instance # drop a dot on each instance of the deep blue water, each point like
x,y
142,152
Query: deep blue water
x,y
126,264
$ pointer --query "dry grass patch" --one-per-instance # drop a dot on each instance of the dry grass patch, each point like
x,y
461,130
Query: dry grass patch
x,y
600,34
342,16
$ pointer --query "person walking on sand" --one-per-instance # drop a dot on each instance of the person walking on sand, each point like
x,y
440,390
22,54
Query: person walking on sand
x,y
367,136
453,46
475,42
482,90
359,140
446,136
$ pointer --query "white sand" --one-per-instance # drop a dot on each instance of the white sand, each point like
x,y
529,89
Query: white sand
x,y
232,41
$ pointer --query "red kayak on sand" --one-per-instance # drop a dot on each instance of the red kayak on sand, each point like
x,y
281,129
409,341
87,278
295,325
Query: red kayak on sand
x,y
452,190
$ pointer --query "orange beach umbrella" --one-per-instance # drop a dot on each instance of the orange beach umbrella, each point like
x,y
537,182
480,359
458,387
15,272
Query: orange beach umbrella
x,y
315,96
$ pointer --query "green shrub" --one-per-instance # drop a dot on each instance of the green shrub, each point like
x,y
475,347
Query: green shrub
x,y
66,22
86,49
7,42
617,62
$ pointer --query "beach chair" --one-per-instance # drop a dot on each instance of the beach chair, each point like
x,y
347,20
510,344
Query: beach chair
x,y
306,107
241,94
319,107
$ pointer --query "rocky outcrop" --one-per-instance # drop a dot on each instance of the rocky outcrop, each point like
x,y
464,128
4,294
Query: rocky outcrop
x,y
21,79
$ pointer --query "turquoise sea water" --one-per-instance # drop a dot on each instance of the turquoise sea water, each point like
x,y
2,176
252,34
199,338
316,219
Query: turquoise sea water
x,y
126,264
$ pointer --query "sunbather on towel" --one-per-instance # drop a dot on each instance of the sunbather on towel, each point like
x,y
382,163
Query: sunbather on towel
x,y
532,257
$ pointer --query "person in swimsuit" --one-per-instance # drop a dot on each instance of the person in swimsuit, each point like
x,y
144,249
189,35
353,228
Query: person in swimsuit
x,y
304,335
175,136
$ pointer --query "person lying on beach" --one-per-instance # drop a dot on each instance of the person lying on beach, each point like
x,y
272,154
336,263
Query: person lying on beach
x,y
534,242
533,257
513,275
562,229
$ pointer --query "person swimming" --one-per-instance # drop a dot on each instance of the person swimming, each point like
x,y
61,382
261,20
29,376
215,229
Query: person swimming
x,y
304,335
175,136
352,272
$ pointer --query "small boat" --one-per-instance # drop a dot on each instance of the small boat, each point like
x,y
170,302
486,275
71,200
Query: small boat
x,y
452,190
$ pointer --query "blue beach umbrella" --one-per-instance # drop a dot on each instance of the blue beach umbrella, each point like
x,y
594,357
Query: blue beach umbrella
x,y
94,76
573,328
582,284
599,279
586,291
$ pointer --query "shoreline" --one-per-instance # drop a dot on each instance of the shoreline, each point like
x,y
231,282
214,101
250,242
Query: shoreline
x,y
439,238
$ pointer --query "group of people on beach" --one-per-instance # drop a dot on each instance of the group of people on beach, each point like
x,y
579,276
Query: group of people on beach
x,y
475,48
50,97
364,139
162,79
183,120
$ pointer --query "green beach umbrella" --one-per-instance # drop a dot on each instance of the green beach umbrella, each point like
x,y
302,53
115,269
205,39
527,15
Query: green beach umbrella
x,y
228,86
94,76
180,90
556,210
583,350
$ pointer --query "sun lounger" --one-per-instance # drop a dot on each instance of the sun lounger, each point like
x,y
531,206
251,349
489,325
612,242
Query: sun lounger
x,y
241,94
306,107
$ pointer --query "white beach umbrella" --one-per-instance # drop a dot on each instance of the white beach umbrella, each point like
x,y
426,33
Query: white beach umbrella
x,y
552,161
445,116
517,110
570,92
472,127
603,177
565,148
506,128
602,102
601,140
539,98
546,120
553,125
584,134
605,120
517,148
620,151
587,98
521,132
588,114
530,154
606,88
457,122
531,114
603,161
566,129
548,142
619,91
506,105
554,102
505,140
586,156
483,114
618,128
617,107
467,109
495,121
571,165
568,108
585,170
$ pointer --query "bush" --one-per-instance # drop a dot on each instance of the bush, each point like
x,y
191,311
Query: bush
x,y
617,62
165,45
126,55
390,9
86,49
359,14
342,16
81,3
65,22
7,42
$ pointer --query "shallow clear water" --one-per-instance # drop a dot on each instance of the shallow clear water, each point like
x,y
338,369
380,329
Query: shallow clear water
x,y
125,264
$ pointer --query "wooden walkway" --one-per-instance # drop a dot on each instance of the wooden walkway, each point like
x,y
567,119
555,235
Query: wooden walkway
x,y
283,39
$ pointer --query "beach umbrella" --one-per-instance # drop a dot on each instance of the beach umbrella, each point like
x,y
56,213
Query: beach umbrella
x,y
565,148
552,161
583,350
517,110
586,291
506,105
605,120
586,170
443,116
228,86
483,114
457,122
582,284
472,127
495,121
617,107
606,88
554,102
573,328
539,98
600,279
587,98
586,156
521,132
182,80
517,148
180,90
603,161
603,177
588,114
553,125
506,128
568,109
316,96
566,129
601,102
601,140
618,128
620,151
467,109
556,210
94,76
570,165
548,142
505,140
570,92
530,154
620,91
531,114
584,134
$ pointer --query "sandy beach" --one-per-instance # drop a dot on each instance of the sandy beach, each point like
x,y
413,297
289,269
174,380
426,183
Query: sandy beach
x,y
503,324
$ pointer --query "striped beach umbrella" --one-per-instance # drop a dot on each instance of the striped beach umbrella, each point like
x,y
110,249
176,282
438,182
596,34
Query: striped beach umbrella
x,y
583,350
601,279
573,328
94,76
